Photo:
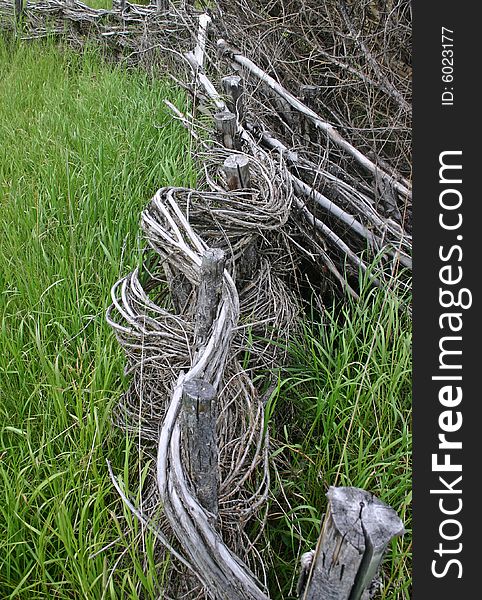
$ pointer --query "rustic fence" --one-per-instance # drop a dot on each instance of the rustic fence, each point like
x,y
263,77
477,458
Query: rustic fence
x,y
212,408
216,286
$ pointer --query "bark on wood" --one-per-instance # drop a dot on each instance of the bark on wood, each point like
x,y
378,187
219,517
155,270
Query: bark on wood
x,y
355,534
233,87
247,264
388,198
209,293
199,437
236,168
225,122
308,94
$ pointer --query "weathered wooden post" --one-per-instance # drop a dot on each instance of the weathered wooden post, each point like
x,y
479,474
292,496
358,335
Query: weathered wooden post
x,y
179,286
225,123
200,443
308,95
355,533
199,396
236,168
209,294
233,87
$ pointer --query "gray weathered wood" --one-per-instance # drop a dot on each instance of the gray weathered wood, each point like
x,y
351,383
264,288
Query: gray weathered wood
x,y
233,87
198,53
209,294
180,288
200,443
225,122
388,197
355,533
236,168
308,94
199,406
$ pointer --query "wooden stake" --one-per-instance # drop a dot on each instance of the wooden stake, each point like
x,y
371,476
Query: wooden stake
x,y
180,288
200,443
236,168
308,95
204,21
209,294
198,396
354,536
233,87
225,122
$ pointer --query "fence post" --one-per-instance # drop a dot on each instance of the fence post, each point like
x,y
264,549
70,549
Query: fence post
x,y
355,533
308,94
209,294
199,396
199,439
225,122
234,89
236,168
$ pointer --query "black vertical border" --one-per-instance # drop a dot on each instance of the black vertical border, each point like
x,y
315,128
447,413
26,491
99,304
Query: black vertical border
x,y
438,128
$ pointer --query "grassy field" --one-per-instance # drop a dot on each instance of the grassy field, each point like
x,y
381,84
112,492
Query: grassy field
x,y
342,417
83,147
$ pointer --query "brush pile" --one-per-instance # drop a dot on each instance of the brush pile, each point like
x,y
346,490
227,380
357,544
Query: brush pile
x,y
155,316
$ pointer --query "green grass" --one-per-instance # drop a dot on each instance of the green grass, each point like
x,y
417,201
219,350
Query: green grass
x,y
342,414
83,147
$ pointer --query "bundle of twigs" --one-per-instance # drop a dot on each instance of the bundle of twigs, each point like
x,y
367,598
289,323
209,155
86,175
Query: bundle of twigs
x,y
160,344
132,33
351,203
350,61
